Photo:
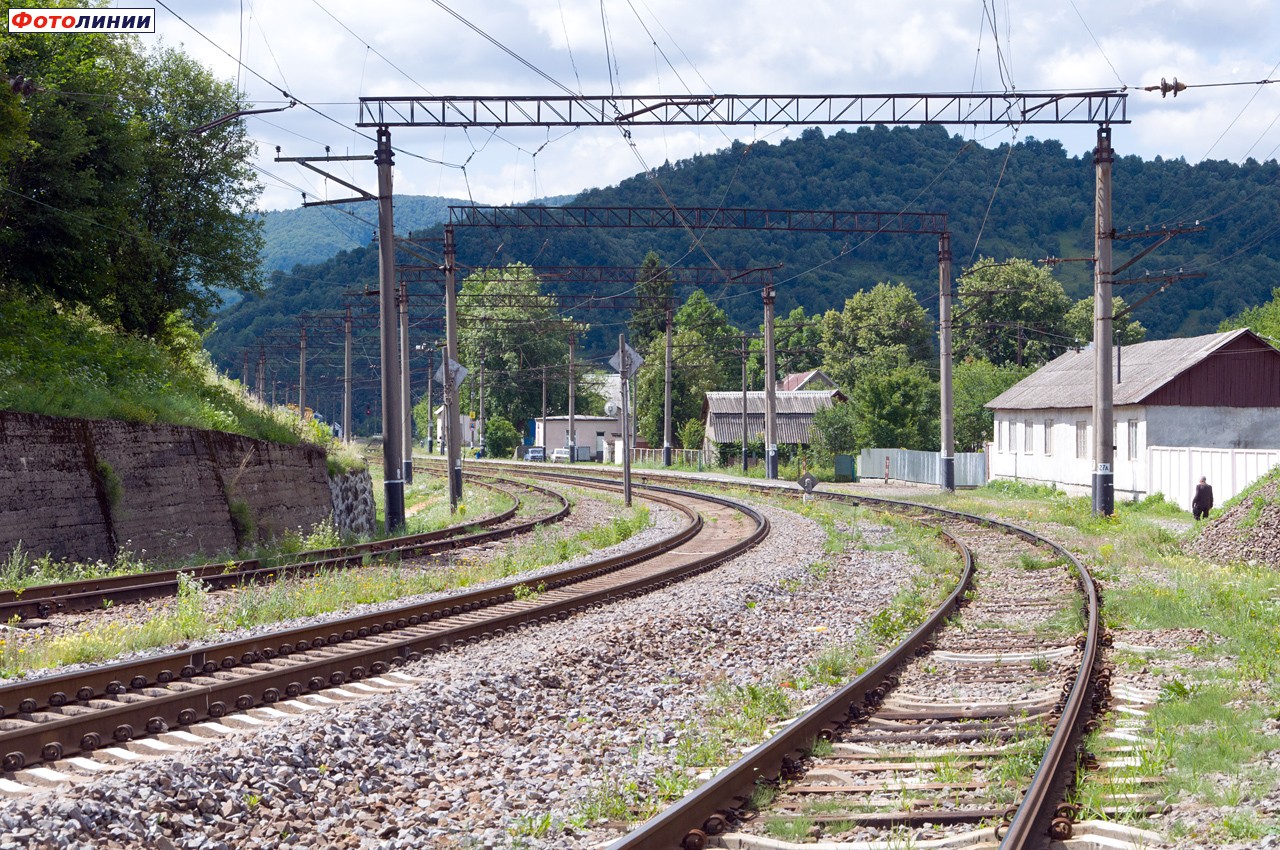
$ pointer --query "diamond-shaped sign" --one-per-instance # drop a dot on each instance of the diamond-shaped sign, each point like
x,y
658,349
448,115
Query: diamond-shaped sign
x,y
457,371
634,360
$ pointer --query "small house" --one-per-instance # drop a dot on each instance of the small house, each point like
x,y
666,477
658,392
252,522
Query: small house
x,y
722,414
1183,408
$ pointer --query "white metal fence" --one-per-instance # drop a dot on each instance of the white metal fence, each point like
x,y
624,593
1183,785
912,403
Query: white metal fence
x,y
921,467
679,457
1175,470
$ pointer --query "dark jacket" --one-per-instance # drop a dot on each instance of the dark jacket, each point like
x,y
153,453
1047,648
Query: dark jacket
x,y
1203,501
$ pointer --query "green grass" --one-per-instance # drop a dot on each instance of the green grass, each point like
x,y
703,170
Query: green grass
x,y
65,363
1206,734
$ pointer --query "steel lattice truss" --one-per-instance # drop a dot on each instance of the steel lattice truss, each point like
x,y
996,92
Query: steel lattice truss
x,y
599,275
1005,109
701,218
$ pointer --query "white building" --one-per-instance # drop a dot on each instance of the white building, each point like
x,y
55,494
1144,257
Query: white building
x,y
1207,405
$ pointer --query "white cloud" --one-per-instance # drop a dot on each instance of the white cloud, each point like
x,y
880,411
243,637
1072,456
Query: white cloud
x,y
747,46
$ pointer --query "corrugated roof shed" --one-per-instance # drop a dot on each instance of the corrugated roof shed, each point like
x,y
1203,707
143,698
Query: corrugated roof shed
x,y
723,412
1145,368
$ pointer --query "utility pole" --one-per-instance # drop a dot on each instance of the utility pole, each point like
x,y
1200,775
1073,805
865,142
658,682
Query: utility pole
x,y
573,447
743,349
544,412
666,396
770,389
302,371
480,436
453,439
346,377
392,442
1103,424
244,371
431,410
262,375
624,360
406,402
947,457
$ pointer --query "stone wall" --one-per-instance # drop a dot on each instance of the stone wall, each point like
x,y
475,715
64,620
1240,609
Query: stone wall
x,y
353,510
86,489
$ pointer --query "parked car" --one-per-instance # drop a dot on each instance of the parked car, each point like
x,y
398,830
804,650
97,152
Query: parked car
x,y
535,453
559,455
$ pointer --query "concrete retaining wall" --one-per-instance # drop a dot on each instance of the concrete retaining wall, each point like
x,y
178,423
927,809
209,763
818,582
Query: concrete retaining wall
x,y
86,489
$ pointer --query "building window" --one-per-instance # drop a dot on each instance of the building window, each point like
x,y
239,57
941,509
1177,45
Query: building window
x,y
1082,439
1048,437
1028,433
1133,439
999,436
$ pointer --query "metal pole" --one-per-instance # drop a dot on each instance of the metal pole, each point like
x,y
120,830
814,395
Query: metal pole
x,y
453,423
1103,424
346,377
392,441
244,371
625,360
406,402
770,390
947,456
573,448
302,371
544,412
666,397
743,346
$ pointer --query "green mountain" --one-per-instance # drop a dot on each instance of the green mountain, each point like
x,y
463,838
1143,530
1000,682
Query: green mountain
x,y
1034,201
310,235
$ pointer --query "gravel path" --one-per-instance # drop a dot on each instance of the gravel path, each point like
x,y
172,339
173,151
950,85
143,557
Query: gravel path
x,y
502,738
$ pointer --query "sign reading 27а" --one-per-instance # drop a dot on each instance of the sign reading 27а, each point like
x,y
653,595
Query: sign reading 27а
x,y
82,20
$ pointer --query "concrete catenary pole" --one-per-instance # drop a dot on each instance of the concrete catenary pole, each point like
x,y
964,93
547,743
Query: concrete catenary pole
x,y
573,433
742,345
947,455
431,386
346,377
1103,415
480,436
453,424
544,412
406,401
624,361
392,440
666,396
262,375
302,371
770,390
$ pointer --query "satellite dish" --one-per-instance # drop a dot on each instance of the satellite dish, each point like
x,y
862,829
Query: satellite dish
x,y
611,408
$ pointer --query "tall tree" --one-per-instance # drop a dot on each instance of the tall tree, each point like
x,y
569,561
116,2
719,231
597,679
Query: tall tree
x,y
1263,319
1010,312
896,407
877,329
112,203
704,347
1079,322
798,340
976,382
509,327
649,318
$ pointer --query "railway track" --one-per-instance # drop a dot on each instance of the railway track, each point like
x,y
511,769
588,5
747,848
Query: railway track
x,y
49,724
976,718
39,602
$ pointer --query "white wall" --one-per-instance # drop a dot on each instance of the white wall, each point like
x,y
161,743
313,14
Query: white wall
x,y
1010,458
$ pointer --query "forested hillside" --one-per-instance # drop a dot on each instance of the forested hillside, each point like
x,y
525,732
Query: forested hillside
x,y
1043,206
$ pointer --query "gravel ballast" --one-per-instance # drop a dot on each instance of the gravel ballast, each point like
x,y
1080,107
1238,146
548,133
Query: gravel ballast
x,y
501,739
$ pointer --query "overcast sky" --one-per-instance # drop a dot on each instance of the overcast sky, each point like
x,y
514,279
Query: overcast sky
x,y
329,53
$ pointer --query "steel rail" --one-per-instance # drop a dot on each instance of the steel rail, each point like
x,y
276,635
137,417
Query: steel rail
x,y
40,601
1031,825
155,698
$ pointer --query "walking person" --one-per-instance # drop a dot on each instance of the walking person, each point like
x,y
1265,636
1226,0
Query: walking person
x,y
1203,501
